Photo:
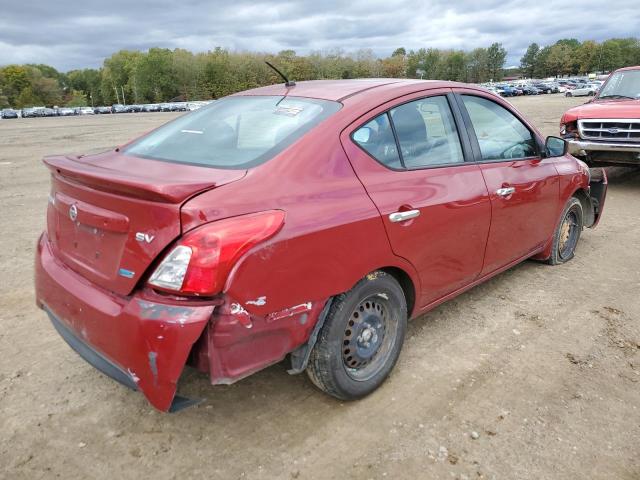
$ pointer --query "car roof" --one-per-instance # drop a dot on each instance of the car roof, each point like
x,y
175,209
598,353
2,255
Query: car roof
x,y
637,67
338,90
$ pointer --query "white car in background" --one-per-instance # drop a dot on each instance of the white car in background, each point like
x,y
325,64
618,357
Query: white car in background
x,y
588,90
191,106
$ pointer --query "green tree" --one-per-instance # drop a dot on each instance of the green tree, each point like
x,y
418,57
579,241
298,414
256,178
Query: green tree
x,y
560,59
587,56
76,99
477,65
541,70
496,56
529,60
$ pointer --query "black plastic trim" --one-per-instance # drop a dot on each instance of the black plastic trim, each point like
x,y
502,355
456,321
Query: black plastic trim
x,y
300,356
91,356
106,366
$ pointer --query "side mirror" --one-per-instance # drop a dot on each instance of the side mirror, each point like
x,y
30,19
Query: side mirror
x,y
555,147
362,135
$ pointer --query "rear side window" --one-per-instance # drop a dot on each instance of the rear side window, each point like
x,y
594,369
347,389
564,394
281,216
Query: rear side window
x,y
235,132
376,138
427,133
500,134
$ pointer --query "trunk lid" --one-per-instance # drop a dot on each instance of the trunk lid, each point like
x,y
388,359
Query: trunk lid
x,y
110,215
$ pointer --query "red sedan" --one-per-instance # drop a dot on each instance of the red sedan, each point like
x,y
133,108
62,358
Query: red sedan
x,y
305,222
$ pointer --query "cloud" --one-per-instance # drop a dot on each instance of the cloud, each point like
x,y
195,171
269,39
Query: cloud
x,y
69,34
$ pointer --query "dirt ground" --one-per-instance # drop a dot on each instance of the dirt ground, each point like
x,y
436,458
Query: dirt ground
x,y
542,363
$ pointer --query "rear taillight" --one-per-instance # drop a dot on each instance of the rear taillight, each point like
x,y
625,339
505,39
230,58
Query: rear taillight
x,y
201,261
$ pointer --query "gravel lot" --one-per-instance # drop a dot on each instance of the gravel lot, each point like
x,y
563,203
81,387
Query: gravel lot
x,y
535,374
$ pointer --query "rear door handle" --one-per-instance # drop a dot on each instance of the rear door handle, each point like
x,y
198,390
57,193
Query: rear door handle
x,y
505,191
403,216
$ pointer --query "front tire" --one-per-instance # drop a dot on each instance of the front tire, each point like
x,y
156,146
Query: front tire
x,y
361,338
567,234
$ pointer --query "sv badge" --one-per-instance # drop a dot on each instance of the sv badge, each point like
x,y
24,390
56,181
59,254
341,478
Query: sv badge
x,y
144,237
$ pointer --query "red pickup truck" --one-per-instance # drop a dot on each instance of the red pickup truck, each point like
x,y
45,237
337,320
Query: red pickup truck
x,y
606,130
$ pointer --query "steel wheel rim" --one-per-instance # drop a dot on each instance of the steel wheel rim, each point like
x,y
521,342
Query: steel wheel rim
x,y
368,338
568,235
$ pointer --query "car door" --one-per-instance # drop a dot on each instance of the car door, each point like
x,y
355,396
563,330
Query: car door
x,y
412,158
523,187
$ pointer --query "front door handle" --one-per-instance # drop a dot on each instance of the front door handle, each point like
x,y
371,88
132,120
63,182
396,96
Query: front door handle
x,y
505,191
403,216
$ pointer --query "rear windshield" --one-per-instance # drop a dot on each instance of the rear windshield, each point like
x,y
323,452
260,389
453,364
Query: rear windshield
x,y
235,132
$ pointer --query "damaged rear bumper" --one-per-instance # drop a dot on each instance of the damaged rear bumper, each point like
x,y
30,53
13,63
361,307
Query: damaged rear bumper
x,y
142,344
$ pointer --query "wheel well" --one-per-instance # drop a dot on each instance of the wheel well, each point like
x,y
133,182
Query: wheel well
x,y
587,210
407,286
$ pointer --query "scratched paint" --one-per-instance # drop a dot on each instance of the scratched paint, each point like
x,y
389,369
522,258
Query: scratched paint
x,y
171,313
241,314
153,364
133,375
289,312
258,301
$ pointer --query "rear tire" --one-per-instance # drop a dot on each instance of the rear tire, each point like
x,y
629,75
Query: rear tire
x,y
361,338
567,234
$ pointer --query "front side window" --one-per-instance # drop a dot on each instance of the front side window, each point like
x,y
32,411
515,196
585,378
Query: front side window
x,y
501,135
427,133
235,132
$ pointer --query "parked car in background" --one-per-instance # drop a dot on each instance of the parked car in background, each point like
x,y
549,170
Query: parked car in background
x,y
195,105
49,112
543,87
102,110
529,89
8,113
179,107
117,108
606,130
307,224
29,113
85,111
507,91
165,107
582,91
66,112
517,90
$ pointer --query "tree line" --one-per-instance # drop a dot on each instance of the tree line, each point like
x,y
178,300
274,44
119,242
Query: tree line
x,y
571,57
160,74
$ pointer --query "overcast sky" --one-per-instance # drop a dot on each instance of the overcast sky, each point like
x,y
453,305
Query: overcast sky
x,y
75,34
